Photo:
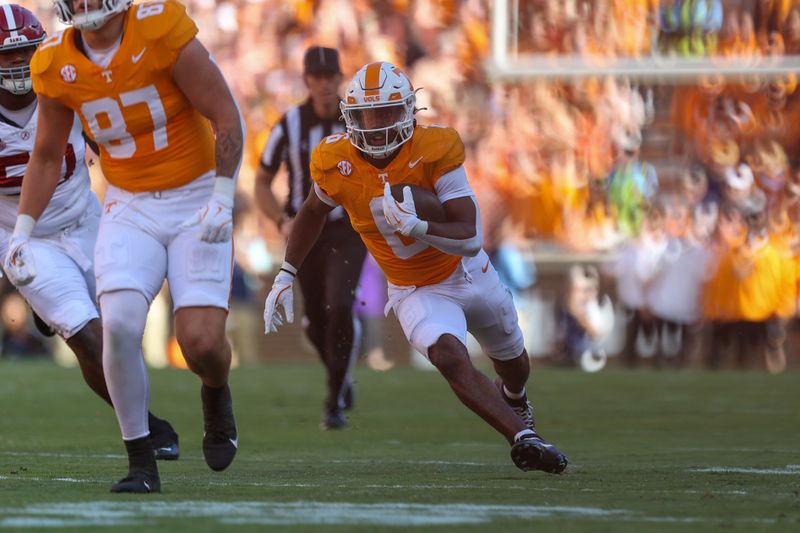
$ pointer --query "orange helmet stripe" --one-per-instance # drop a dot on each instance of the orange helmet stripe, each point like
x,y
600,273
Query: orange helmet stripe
x,y
372,79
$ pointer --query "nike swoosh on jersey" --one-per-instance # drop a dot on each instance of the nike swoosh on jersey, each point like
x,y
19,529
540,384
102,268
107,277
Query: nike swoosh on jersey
x,y
235,442
485,267
412,164
137,57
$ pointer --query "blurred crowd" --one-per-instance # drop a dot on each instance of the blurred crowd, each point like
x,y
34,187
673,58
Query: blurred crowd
x,y
690,192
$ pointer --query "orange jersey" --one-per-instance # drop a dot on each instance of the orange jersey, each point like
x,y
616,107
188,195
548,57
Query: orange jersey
x,y
150,136
339,170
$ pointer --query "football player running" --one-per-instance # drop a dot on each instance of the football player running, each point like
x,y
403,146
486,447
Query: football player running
x,y
441,283
62,292
170,139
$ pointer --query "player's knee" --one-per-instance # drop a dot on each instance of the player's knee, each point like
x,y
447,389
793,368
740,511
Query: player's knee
x,y
449,356
122,335
199,343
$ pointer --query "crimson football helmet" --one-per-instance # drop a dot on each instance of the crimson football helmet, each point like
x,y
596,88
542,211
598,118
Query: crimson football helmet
x,y
378,109
19,28
89,19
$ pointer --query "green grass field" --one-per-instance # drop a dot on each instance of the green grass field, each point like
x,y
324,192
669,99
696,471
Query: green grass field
x,y
649,451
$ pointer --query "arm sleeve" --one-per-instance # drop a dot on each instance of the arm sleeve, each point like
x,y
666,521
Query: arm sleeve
x,y
323,196
275,150
452,185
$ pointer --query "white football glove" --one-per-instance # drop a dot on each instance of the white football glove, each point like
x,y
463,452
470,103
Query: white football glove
x,y
19,265
402,216
216,218
280,297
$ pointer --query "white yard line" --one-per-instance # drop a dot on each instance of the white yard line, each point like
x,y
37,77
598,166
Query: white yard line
x,y
66,455
144,513
107,513
788,470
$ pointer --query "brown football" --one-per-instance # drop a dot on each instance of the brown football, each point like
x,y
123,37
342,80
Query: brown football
x,y
429,208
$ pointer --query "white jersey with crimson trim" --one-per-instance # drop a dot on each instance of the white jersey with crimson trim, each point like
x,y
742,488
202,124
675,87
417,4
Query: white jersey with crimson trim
x,y
72,193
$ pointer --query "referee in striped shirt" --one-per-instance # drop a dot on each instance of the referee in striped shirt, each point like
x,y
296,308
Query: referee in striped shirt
x,y
330,274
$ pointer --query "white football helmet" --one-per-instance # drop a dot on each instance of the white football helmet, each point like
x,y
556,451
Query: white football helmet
x,y
19,28
378,109
89,20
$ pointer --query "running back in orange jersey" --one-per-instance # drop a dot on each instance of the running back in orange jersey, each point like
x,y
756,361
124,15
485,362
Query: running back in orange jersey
x,y
340,171
150,136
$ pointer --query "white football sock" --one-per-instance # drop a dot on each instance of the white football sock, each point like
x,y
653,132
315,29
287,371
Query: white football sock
x,y
524,433
514,395
124,314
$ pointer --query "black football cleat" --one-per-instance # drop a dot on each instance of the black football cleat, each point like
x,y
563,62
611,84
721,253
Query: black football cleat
x,y
532,452
138,482
164,439
142,475
333,419
220,439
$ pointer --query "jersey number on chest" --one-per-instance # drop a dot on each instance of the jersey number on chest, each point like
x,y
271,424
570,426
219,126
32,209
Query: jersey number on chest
x,y
107,122
403,250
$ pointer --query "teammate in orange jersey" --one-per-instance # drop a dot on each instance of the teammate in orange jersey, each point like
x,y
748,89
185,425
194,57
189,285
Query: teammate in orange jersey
x,y
63,292
441,283
170,137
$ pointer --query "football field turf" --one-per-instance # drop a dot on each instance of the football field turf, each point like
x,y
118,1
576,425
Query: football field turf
x,y
649,451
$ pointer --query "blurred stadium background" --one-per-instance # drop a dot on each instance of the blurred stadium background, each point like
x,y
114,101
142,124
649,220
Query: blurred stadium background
x,y
636,163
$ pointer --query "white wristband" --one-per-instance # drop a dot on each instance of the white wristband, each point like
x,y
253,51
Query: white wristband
x,y
24,226
288,267
420,229
225,190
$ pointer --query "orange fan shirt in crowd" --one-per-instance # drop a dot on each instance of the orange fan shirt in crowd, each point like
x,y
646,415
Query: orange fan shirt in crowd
x,y
752,286
150,136
340,171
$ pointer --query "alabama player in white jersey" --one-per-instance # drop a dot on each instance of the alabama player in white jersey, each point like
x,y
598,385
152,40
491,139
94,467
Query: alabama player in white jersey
x,y
62,243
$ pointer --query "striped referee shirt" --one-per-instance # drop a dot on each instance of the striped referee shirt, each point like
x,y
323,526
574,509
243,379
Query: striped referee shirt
x,y
292,140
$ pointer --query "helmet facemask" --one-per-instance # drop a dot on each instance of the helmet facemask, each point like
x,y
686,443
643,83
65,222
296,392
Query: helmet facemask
x,y
380,129
17,80
89,20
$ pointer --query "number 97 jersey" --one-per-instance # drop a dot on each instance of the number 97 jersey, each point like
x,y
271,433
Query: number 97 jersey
x,y
150,136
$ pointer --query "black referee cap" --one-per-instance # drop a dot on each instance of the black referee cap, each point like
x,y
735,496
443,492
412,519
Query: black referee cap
x,y
321,60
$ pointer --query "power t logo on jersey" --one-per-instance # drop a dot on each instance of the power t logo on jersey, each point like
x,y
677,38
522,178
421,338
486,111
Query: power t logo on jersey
x,y
150,137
